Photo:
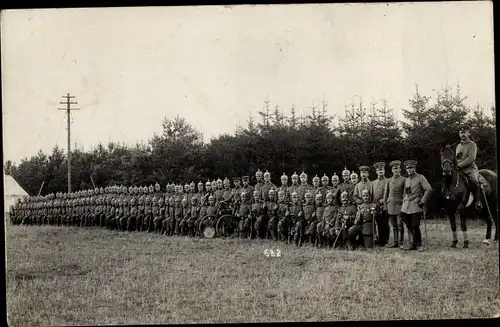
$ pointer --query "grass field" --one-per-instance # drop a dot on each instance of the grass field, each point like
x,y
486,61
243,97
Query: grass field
x,y
76,276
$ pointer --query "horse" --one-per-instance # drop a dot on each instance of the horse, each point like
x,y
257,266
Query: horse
x,y
458,196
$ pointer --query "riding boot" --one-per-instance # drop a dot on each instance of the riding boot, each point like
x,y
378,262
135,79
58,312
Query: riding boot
x,y
395,242
478,196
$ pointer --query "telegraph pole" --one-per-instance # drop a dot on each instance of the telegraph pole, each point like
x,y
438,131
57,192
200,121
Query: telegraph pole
x,y
68,109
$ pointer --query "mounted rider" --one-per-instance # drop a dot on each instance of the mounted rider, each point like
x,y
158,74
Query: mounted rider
x,y
466,153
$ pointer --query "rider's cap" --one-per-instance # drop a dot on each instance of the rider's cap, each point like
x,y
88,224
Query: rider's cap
x,y
364,168
378,165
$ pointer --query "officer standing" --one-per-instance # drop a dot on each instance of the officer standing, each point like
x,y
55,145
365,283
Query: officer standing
x,y
417,192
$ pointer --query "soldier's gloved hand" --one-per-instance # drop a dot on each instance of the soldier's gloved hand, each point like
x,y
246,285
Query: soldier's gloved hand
x,y
421,205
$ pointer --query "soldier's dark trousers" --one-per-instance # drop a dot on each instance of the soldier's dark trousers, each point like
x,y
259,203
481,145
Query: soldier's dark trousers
x,y
382,221
412,222
366,240
398,230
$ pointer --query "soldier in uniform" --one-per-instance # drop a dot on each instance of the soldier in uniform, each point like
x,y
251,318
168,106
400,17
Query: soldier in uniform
x,y
345,219
466,152
346,185
257,216
177,214
284,187
364,223
327,229
266,187
416,195
183,224
325,186
282,216
364,184
303,188
219,191
354,182
157,190
236,190
259,182
378,187
336,189
309,223
247,189
141,213
131,223
318,216
159,215
227,192
211,213
295,186
316,187
271,212
297,215
169,223
243,209
194,211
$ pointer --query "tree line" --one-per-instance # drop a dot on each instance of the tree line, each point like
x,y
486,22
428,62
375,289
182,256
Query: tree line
x,y
317,143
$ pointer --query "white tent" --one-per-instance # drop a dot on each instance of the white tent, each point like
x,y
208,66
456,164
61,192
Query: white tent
x,y
12,192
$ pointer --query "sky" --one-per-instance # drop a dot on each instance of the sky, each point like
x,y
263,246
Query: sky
x,y
129,68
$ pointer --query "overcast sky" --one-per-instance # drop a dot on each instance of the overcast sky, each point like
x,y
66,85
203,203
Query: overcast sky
x,y
131,67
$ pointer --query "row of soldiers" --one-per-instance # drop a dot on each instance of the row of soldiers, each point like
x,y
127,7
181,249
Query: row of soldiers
x,y
349,213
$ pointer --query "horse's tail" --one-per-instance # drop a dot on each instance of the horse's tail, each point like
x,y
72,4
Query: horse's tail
x,y
491,177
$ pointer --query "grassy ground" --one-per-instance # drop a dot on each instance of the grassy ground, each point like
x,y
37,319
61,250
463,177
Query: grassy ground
x,y
76,276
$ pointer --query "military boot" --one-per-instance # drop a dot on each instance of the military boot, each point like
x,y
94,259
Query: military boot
x,y
395,242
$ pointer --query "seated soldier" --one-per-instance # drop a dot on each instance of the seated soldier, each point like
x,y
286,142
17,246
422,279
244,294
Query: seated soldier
x,y
283,214
318,219
193,216
277,212
242,215
309,223
270,220
329,219
295,215
183,224
346,215
257,214
364,223
158,218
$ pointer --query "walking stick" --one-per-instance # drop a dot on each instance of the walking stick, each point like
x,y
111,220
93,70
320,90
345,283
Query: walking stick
x,y
340,231
373,226
425,226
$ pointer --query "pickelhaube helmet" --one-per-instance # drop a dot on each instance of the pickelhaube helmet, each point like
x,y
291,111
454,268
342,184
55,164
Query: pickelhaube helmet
x,y
208,183
329,195
258,173
344,195
354,175
226,181
284,177
200,185
295,194
151,189
325,178
267,173
219,181
308,195
295,176
335,177
316,179
130,190
346,172
157,187
148,199
192,185
303,174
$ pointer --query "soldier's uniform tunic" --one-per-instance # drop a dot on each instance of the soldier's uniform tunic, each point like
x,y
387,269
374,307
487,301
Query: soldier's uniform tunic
x,y
364,224
346,215
378,187
362,185
349,188
264,190
393,198
417,190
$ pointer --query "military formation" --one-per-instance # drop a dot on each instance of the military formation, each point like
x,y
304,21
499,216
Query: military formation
x,y
350,211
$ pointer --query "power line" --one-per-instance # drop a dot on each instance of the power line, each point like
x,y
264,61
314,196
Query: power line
x,y
68,110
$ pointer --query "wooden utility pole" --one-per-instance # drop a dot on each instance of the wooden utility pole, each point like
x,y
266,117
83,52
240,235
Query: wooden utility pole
x,y
68,109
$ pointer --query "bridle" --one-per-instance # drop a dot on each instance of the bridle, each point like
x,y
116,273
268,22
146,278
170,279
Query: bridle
x,y
450,162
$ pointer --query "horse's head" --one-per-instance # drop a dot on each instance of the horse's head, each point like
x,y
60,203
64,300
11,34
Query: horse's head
x,y
448,160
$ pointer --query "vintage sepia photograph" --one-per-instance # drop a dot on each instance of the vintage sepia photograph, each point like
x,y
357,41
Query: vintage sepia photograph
x,y
250,163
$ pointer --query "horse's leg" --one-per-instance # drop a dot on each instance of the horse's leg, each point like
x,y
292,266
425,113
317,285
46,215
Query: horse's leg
x,y
463,226
453,223
489,222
